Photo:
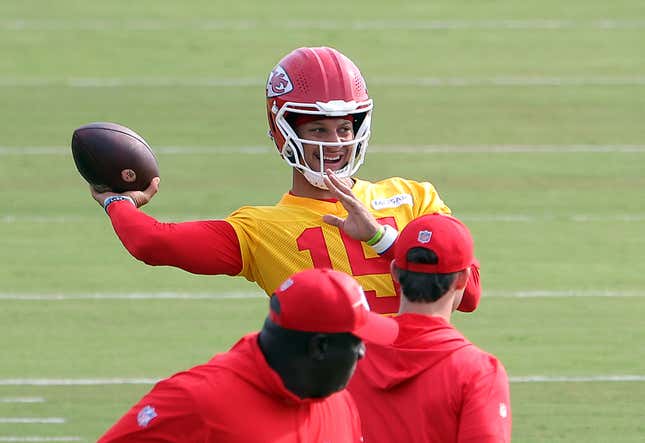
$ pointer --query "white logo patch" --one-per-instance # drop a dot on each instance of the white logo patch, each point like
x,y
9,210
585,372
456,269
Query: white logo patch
x,y
279,82
392,202
503,410
145,415
286,284
424,236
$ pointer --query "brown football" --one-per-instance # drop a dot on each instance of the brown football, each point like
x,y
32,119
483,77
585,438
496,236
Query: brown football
x,y
113,158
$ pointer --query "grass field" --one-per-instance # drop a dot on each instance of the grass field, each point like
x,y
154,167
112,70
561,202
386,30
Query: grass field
x,y
527,117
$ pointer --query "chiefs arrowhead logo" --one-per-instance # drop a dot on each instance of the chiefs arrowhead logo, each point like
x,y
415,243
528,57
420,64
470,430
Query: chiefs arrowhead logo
x,y
279,82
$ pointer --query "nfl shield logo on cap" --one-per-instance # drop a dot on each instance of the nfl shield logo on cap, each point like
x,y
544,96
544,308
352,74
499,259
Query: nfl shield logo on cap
x,y
145,415
424,236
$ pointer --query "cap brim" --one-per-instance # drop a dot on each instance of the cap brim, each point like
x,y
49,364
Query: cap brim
x,y
378,329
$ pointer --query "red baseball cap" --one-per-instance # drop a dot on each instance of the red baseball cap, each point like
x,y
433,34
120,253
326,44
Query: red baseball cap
x,y
444,235
328,301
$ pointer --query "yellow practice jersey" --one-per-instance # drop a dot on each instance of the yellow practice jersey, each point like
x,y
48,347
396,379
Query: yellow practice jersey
x,y
277,241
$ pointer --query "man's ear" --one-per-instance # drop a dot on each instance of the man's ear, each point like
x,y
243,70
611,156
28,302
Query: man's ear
x,y
461,279
318,345
394,272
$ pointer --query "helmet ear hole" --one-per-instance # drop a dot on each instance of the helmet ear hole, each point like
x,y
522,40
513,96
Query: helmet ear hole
x,y
289,154
358,121
359,148
290,117
272,129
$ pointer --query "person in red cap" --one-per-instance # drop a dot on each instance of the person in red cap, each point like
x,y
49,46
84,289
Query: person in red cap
x,y
432,384
284,384
319,114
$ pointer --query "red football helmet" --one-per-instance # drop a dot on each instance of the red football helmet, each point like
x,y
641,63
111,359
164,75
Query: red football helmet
x,y
317,81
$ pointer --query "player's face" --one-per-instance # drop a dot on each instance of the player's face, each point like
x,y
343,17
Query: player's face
x,y
331,130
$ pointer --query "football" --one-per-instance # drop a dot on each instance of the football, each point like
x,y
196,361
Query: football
x,y
111,157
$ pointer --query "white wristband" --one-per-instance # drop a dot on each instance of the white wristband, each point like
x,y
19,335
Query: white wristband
x,y
389,237
116,198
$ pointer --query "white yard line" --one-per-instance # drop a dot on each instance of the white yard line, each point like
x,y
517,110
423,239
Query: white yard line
x,y
149,381
10,438
35,420
479,218
225,82
22,400
376,149
563,294
577,378
55,219
76,381
90,24
504,149
132,296
212,82
578,218
260,295
507,81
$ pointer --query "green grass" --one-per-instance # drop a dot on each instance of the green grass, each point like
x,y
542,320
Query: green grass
x,y
529,335
563,412
169,335
543,221
557,412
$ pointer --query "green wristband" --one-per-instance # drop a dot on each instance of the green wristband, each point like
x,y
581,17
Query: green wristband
x,y
376,237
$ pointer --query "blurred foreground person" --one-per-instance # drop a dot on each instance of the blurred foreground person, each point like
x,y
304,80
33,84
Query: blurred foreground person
x,y
283,384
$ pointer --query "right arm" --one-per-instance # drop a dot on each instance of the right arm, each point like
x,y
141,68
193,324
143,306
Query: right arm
x,y
200,247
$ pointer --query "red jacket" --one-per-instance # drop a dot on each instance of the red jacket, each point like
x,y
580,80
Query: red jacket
x,y
431,385
235,398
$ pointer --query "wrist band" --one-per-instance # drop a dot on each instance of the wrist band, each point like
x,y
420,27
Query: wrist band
x,y
116,198
376,237
387,240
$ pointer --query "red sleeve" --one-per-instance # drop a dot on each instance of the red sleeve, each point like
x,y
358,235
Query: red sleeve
x,y
164,415
486,409
200,247
470,300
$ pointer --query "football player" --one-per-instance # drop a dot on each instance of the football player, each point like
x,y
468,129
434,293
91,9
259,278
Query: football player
x,y
319,115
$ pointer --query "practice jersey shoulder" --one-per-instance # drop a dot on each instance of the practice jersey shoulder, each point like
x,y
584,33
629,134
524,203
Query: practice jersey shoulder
x,y
277,241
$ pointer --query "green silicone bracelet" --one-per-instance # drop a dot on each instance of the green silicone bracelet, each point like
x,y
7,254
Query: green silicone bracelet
x,y
374,240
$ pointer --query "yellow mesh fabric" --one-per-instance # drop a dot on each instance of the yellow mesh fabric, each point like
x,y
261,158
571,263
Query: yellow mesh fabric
x,y
277,241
